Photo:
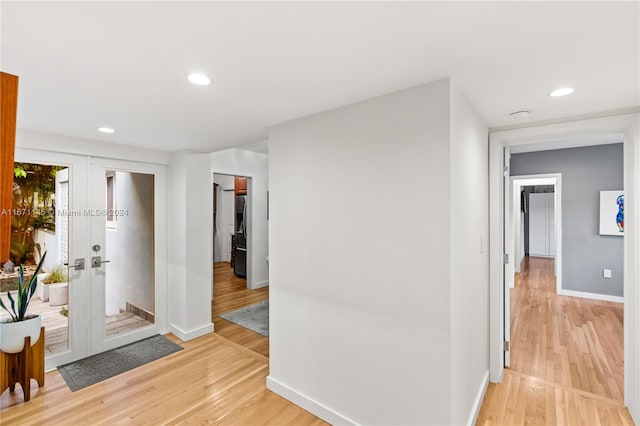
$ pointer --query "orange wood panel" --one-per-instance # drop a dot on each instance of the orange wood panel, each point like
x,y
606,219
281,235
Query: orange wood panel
x,y
241,185
8,111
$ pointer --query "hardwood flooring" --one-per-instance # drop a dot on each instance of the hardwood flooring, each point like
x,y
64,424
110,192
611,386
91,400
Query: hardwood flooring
x,y
217,379
566,358
212,381
526,400
571,341
231,293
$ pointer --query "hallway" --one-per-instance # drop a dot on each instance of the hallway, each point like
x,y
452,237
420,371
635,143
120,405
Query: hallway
x,y
566,357
571,341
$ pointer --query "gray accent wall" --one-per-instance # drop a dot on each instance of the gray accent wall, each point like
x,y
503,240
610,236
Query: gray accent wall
x,y
585,172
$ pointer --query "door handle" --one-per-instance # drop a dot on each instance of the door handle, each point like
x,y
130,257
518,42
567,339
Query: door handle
x,y
96,261
78,264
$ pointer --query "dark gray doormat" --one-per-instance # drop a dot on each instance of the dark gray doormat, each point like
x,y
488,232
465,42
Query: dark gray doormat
x,y
254,317
96,368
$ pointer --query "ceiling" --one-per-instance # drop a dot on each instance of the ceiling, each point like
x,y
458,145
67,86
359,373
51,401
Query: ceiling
x,y
83,65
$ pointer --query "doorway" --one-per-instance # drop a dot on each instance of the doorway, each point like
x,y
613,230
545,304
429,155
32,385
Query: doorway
x,y
535,223
108,238
239,313
232,226
623,128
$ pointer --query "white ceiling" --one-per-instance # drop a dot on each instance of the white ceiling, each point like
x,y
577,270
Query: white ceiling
x,y
88,64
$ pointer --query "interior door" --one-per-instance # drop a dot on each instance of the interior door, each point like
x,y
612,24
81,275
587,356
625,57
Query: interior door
x,y
127,248
229,224
510,256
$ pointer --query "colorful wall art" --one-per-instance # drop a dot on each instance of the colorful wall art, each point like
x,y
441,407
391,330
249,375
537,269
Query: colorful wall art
x,y
612,213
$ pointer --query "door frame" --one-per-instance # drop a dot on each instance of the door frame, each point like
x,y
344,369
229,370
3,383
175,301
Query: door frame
x,y
518,182
617,128
250,249
99,341
81,291
78,199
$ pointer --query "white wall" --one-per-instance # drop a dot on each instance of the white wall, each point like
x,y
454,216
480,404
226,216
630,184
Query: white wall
x,y
48,244
130,274
240,162
469,259
190,244
358,333
631,266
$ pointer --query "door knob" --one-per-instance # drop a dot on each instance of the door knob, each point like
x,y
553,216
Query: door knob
x,y
96,261
77,265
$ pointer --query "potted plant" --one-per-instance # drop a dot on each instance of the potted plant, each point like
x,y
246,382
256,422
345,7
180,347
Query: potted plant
x,y
19,325
58,275
57,286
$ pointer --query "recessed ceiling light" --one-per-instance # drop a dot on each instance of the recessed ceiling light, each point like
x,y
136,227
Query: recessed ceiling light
x,y
199,79
106,130
520,114
563,91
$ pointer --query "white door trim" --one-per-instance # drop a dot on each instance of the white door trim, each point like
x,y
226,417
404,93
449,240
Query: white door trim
x,y
99,341
554,179
78,280
555,136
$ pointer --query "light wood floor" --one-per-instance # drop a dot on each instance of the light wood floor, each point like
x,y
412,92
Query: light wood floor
x,y
231,293
214,380
526,400
571,341
566,357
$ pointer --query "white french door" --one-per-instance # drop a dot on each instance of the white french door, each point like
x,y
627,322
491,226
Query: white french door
x,y
127,252
110,238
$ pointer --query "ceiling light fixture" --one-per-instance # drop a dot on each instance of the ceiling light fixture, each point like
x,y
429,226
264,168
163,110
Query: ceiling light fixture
x,y
199,79
564,91
106,130
520,114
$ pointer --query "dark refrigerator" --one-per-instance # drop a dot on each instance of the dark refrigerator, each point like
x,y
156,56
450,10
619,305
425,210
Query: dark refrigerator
x,y
240,250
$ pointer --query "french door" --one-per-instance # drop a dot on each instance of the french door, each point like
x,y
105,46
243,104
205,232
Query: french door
x,y
109,238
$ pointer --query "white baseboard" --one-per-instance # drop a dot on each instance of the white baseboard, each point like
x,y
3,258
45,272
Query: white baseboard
x,y
596,296
260,285
191,334
312,406
477,404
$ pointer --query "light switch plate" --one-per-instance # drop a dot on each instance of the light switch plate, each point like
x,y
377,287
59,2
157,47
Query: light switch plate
x,y
606,273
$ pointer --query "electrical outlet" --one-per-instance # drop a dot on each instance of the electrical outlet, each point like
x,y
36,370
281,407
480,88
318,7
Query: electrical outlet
x,y
606,273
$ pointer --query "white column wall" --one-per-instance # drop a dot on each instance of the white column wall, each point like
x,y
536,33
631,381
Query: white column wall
x,y
469,260
190,244
358,333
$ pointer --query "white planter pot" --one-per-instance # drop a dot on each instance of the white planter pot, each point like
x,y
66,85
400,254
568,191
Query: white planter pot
x,y
43,289
58,294
12,334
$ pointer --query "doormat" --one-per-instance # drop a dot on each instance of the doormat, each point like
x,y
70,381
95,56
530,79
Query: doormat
x,y
96,368
254,317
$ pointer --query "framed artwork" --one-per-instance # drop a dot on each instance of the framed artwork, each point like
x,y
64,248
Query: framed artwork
x,y
612,213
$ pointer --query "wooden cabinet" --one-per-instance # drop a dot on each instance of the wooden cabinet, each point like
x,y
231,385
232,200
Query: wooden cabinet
x,y
241,185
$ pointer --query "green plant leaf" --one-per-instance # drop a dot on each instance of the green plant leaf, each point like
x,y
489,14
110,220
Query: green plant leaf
x,y
25,292
13,306
6,309
19,172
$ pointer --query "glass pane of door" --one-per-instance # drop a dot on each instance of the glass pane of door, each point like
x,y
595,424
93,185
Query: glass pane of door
x,y
39,225
128,253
